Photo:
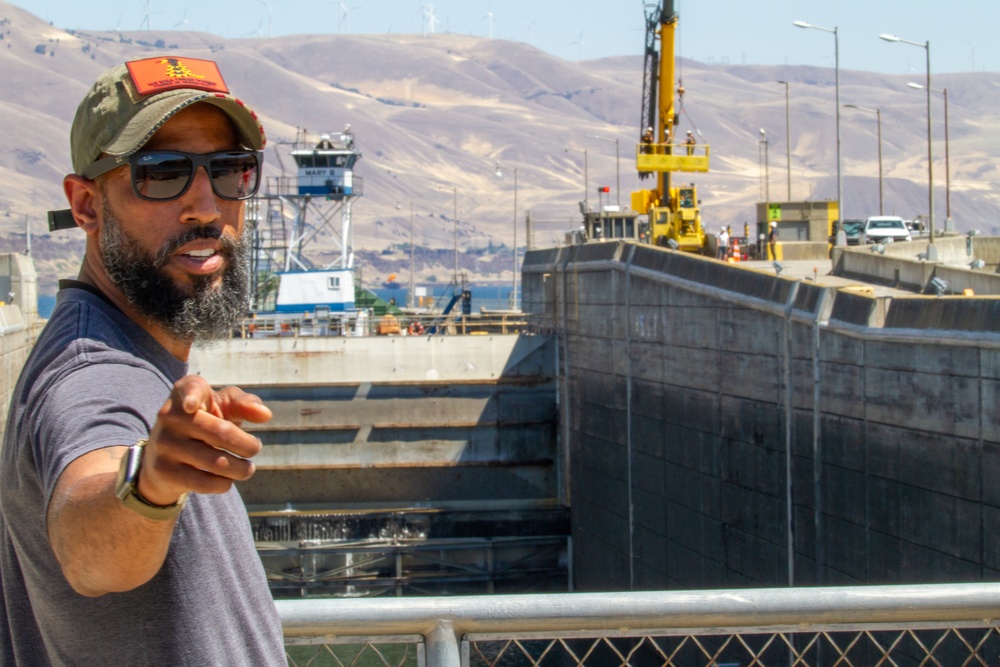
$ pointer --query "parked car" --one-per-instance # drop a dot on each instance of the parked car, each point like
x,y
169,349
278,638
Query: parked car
x,y
852,229
886,229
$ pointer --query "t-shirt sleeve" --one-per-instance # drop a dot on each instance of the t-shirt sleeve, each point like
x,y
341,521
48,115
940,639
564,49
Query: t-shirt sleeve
x,y
93,406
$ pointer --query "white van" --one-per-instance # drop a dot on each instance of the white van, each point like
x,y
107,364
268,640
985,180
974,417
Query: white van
x,y
886,229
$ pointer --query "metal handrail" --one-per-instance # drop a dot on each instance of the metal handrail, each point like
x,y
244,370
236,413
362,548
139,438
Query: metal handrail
x,y
445,622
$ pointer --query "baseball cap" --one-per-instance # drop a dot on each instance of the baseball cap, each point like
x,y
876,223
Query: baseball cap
x,y
129,102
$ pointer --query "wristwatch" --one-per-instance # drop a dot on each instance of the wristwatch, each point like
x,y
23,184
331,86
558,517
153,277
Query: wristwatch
x,y
127,489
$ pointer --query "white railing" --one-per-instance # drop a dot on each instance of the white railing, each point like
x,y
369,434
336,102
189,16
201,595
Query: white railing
x,y
926,624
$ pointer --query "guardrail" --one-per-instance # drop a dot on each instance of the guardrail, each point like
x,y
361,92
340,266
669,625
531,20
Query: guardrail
x,y
950,624
307,325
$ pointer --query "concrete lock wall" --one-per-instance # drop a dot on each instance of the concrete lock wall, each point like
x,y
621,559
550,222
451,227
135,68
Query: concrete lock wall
x,y
901,265
19,324
726,427
396,420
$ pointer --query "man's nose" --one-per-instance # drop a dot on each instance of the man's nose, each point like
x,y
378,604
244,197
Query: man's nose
x,y
202,205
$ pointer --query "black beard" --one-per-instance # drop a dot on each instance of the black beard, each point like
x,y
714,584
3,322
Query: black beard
x,y
207,312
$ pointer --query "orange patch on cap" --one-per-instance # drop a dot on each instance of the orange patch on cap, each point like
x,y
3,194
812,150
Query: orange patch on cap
x,y
155,75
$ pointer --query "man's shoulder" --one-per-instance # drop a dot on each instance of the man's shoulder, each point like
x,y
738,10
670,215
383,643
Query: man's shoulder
x,y
85,330
86,314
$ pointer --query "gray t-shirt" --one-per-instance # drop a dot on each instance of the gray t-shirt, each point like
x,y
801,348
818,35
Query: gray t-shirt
x,y
95,379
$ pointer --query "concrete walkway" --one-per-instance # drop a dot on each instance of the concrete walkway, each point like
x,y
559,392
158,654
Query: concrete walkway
x,y
820,271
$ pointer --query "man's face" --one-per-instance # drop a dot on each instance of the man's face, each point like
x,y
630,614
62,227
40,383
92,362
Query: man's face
x,y
206,309
184,263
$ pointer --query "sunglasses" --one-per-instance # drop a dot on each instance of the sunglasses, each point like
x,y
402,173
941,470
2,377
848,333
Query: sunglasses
x,y
166,175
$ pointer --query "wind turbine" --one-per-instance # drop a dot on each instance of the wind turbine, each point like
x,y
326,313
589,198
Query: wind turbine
x,y
579,43
268,5
344,15
529,30
432,20
148,20
184,23
256,33
429,19
489,18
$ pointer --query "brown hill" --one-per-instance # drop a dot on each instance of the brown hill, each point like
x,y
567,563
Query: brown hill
x,y
435,113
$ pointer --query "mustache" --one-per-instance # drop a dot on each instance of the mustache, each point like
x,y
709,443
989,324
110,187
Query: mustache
x,y
228,246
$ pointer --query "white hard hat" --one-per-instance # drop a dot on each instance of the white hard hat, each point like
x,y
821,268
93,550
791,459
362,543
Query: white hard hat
x,y
774,224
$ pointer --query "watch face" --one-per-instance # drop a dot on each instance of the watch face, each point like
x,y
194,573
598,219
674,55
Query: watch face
x,y
128,471
128,493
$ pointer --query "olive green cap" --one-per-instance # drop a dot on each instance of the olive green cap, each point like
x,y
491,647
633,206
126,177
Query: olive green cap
x,y
130,102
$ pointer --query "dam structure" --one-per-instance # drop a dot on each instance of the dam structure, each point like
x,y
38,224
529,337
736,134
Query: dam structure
x,y
725,427
667,421
403,464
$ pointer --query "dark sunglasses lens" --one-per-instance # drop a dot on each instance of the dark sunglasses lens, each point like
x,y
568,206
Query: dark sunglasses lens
x,y
235,175
161,175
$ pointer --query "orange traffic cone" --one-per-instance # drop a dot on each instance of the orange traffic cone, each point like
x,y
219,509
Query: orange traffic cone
x,y
736,251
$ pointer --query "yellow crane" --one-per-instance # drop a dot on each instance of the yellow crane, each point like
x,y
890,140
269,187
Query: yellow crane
x,y
673,210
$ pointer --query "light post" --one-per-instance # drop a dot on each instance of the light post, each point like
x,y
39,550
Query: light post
x,y
788,141
767,178
948,224
766,190
618,170
410,302
836,67
456,234
586,177
932,254
455,221
878,114
513,295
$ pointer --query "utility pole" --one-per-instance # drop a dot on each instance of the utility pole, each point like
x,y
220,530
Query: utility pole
x,y
410,302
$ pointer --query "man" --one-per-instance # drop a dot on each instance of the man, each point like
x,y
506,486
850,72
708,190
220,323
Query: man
x,y
647,140
772,239
723,240
691,142
122,537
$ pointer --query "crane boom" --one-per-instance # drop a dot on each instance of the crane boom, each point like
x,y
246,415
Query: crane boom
x,y
674,218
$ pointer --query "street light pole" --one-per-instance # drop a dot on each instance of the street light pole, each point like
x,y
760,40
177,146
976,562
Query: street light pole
x,y
948,224
767,177
456,236
788,140
513,295
455,223
409,297
932,254
878,113
586,176
618,169
836,66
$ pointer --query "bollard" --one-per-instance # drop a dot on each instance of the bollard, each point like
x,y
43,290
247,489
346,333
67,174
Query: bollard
x,y
442,646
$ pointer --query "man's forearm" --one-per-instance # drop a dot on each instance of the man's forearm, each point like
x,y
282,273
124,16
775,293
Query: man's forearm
x,y
102,546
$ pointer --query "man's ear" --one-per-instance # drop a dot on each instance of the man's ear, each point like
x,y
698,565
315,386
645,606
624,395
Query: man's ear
x,y
84,198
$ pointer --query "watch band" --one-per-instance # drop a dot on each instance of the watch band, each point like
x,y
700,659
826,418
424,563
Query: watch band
x,y
128,492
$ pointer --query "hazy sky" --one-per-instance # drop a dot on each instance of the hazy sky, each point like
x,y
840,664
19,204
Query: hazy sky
x,y
962,33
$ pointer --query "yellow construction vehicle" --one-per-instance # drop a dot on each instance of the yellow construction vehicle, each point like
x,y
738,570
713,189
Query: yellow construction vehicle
x,y
674,216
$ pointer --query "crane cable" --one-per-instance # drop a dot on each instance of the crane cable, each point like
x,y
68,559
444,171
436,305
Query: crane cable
x,y
680,79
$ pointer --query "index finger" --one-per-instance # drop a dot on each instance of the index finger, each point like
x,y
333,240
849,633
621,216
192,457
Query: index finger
x,y
236,404
194,393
